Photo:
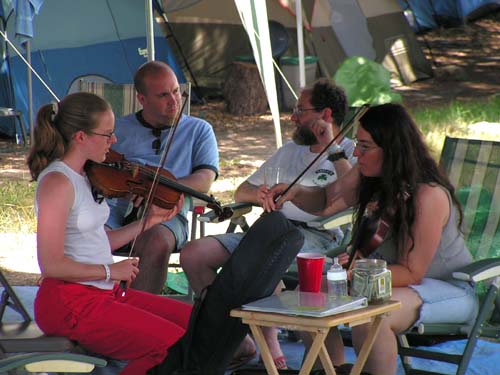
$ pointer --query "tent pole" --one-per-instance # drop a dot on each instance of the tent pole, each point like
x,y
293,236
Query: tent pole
x,y
300,43
149,30
170,34
6,38
256,24
30,91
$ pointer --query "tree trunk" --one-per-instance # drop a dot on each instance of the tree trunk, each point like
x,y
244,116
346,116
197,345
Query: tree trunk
x,y
243,90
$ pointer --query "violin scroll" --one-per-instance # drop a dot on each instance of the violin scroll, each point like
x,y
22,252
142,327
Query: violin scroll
x,y
223,213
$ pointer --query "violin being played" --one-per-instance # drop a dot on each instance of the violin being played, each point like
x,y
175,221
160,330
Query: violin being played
x,y
79,297
118,177
162,137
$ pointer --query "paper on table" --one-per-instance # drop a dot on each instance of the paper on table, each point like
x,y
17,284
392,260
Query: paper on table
x,y
306,304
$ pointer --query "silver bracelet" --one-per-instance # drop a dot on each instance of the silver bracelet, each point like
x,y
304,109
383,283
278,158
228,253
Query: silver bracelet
x,y
108,272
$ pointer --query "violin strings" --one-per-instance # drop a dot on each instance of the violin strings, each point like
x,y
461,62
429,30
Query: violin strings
x,y
179,187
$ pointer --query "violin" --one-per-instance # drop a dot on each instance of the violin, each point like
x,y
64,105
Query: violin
x,y
372,231
118,177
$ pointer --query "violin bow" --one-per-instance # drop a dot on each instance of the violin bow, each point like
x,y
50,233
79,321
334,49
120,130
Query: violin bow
x,y
158,169
156,179
349,124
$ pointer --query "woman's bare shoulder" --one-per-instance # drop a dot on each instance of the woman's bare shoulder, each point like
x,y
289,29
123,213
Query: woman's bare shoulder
x,y
432,199
54,184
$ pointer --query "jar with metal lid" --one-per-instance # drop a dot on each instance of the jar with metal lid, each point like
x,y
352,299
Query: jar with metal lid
x,y
371,279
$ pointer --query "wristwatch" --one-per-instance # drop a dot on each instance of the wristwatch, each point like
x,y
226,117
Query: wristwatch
x,y
335,152
337,156
333,149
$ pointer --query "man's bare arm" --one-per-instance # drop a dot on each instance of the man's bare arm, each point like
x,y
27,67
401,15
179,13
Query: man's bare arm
x,y
200,180
343,193
335,197
247,192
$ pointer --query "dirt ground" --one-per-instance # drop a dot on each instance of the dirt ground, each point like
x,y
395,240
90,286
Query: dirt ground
x,y
466,61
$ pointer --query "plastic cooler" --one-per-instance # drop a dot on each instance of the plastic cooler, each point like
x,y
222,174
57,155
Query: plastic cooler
x,y
290,67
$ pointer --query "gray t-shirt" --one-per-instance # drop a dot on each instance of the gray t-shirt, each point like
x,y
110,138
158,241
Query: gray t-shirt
x,y
452,252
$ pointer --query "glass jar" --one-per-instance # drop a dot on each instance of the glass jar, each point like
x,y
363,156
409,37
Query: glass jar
x,y
371,279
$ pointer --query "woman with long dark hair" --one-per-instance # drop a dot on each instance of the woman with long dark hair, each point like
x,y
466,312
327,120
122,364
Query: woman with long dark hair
x,y
397,180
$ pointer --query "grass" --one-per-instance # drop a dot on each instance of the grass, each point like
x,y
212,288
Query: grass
x,y
16,197
453,120
17,213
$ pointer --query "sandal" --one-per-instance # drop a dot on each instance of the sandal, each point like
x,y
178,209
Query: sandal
x,y
279,362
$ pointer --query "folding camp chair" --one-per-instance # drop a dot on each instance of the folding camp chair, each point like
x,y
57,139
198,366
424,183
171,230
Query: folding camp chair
x,y
342,219
123,100
473,167
239,220
40,352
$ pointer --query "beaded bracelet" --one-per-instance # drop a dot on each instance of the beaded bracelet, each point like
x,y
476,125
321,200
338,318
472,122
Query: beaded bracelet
x,y
108,272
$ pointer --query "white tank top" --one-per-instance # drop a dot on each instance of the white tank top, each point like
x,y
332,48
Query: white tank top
x,y
85,240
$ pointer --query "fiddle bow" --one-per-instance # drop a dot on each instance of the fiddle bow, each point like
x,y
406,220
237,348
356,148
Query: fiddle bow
x,y
156,179
349,124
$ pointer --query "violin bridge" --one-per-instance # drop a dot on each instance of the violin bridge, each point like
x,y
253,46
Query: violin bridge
x,y
135,171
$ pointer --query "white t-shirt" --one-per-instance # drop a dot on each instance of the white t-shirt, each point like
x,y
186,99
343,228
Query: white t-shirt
x,y
85,239
295,158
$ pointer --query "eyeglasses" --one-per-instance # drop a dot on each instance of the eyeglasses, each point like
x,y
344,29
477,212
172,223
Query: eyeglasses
x,y
298,111
109,135
362,147
156,144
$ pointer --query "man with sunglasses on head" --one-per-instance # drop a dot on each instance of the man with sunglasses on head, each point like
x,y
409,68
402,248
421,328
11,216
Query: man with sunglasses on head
x,y
322,106
192,158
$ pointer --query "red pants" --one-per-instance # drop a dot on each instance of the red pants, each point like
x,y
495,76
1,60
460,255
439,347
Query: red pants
x,y
138,327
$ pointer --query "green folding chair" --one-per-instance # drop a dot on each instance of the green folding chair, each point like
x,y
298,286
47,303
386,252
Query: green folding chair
x,y
473,167
24,347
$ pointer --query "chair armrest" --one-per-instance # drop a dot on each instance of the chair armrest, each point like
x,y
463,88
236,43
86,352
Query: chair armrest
x,y
333,221
479,270
195,202
239,209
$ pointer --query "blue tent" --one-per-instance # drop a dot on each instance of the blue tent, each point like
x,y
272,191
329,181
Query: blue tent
x,y
429,14
78,38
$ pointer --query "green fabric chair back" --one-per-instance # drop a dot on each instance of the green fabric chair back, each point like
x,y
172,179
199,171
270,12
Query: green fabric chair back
x,y
473,167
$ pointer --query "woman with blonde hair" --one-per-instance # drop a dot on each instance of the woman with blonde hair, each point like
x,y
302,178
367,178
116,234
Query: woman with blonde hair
x,y
79,296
